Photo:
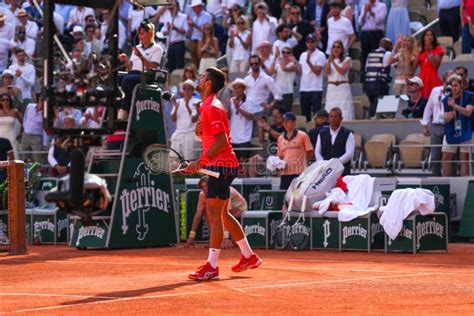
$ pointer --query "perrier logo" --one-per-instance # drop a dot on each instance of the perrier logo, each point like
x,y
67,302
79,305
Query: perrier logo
x,y
141,199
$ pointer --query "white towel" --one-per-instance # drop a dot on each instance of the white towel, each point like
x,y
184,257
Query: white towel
x,y
359,192
274,163
401,203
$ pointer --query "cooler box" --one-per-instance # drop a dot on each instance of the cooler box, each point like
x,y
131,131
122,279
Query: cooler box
x,y
421,233
260,227
325,231
271,199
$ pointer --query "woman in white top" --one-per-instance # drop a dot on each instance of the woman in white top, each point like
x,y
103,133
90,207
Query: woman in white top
x,y
240,42
144,56
338,93
10,122
286,68
208,48
185,115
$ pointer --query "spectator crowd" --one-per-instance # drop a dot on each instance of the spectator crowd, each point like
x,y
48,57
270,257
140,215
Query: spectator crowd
x,y
282,57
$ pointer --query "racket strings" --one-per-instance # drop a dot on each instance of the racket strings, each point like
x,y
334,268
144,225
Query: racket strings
x,y
162,160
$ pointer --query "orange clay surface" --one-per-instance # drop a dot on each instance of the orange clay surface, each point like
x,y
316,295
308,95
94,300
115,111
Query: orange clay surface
x,y
52,280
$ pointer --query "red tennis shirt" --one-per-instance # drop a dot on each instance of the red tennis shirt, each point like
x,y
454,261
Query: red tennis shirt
x,y
214,121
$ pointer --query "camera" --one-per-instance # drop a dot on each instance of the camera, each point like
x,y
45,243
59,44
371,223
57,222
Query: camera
x,y
448,90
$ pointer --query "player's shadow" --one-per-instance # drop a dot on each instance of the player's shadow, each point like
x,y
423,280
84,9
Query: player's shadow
x,y
110,296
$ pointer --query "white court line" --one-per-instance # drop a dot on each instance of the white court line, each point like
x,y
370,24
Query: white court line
x,y
284,285
456,272
55,295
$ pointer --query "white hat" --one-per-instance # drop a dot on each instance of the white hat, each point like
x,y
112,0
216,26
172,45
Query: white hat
x,y
195,3
188,82
2,16
8,72
78,29
416,80
238,81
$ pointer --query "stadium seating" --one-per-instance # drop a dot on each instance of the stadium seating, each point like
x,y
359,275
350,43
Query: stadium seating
x,y
412,156
301,121
175,77
377,150
358,152
463,57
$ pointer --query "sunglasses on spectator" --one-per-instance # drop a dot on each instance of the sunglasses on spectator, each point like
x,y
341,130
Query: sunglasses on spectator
x,y
241,22
286,52
188,70
254,64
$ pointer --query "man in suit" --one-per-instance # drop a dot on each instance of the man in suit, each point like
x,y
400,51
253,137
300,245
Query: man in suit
x,y
317,14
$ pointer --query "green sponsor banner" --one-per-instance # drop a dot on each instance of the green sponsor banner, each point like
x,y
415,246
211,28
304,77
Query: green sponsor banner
x,y
260,228
377,234
93,234
191,198
431,232
300,232
251,193
355,234
466,228
271,200
45,224
4,226
325,233
405,239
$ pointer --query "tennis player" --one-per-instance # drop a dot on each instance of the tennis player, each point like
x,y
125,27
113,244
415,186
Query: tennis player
x,y
218,156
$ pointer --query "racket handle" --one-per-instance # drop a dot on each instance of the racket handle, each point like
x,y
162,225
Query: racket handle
x,y
209,173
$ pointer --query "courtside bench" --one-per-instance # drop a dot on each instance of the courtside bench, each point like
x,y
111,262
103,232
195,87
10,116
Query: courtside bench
x,y
421,233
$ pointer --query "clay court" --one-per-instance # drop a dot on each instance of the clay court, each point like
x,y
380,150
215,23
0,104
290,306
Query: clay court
x,y
62,280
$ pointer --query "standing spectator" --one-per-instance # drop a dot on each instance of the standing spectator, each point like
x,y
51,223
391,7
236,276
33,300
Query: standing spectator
x,y
429,61
449,18
196,21
398,21
405,55
311,87
433,124
231,17
214,7
457,128
58,155
136,15
336,141
294,147
10,121
32,138
31,28
68,111
208,48
77,16
416,102
286,69
372,22
105,29
264,27
7,87
20,41
268,60
346,11
467,83
240,121
7,31
189,72
240,41
317,14
300,29
177,32
339,28
320,122
339,92
92,117
185,115
259,86
377,73
25,75
91,43
283,32
467,16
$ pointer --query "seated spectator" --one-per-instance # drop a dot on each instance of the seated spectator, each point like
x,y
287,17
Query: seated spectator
x,y
336,141
457,128
185,115
404,55
416,102
286,69
294,147
147,55
58,154
320,122
32,138
240,41
237,205
208,48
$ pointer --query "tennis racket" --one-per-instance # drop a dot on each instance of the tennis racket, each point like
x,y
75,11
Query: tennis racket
x,y
164,159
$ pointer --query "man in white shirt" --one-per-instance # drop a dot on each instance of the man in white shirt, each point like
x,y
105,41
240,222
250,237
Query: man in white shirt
x,y
104,28
31,28
25,75
372,26
264,27
20,41
185,115
196,21
311,87
285,39
6,30
433,123
259,86
177,33
339,28
77,16
336,141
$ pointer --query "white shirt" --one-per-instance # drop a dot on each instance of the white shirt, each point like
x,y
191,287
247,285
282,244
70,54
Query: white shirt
x,y
90,123
215,8
180,21
121,38
7,32
78,17
27,79
240,127
263,31
309,80
199,20
285,79
239,52
291,43
4,51
31,29
135,17
259,90
374,22
58,22
339,30
434,109
152,54
350,146
28,45
184,124
229,3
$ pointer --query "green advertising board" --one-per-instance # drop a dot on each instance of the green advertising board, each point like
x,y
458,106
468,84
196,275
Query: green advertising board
x,y
466,226
325,231
89,235
271,200
355,234
260,227
49,225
